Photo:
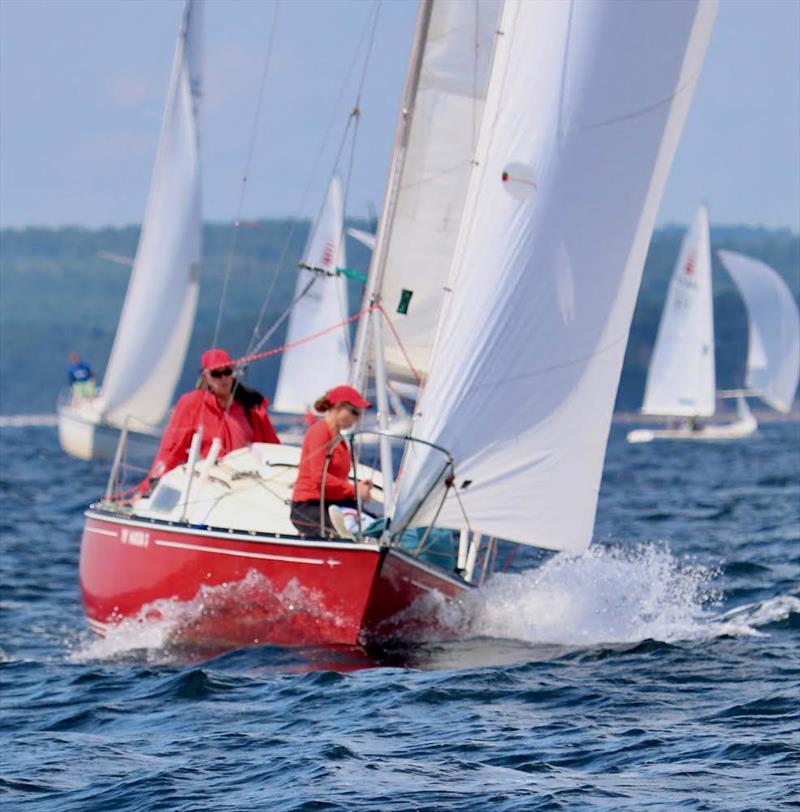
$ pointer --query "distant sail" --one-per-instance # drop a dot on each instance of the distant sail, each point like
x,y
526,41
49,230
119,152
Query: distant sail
x,y
308,370
158,313
773,352
681,377
583,114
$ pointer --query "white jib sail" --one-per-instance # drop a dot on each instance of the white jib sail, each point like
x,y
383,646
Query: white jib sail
x,y
681,376
308,370
773,352
437,154
158,313
584,111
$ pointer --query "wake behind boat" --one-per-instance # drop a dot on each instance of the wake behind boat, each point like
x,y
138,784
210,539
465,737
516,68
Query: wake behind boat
x,y
543,131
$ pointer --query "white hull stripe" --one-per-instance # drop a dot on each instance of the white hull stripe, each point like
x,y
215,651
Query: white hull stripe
x,y
243,554
226,536
100,531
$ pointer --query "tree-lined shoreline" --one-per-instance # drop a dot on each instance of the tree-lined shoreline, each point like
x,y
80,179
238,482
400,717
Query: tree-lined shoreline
x,y
61,289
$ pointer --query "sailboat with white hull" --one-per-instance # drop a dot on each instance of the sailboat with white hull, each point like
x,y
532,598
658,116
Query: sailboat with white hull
x,y
681,377
158,313
539,137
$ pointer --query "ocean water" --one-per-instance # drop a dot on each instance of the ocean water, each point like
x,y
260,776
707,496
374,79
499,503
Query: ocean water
x,y
659,670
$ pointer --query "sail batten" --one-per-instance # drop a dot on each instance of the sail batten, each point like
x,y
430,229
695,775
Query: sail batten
x,y
159,308
547,265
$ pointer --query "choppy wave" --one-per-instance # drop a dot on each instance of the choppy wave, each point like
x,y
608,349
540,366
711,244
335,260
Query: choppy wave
x,y
160,629
658,675
606,595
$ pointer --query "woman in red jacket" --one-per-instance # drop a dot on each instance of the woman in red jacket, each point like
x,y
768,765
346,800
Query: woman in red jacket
x,y
323,478
223,407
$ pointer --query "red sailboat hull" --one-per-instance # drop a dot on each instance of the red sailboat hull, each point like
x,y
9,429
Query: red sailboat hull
x,y
224,588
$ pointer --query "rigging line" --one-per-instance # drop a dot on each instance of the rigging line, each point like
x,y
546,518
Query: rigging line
x,y
326,138
248,161
475,82
399,342
254,338
285,315
357,107
250,357
461,505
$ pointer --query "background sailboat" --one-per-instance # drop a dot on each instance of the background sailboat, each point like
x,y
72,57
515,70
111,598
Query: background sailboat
x,y
681,377
159,309
320,302
773,321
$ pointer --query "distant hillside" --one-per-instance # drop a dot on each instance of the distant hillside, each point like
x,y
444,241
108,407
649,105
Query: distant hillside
x,y
59,292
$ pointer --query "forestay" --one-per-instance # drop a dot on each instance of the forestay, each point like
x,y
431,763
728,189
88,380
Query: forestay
x,y
158,312
320,302
584,110
433,158
681,378
773,351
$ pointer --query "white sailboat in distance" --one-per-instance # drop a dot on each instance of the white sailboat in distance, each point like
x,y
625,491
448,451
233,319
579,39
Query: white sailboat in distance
x,y
159,309
681,377
320,301
773,321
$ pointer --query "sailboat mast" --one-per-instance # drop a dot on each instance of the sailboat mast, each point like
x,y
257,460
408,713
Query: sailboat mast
x,y
372,294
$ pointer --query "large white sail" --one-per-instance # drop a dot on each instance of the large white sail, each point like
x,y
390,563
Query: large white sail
x,y
431,167
158,313
681,379
308,370
584,111
773,351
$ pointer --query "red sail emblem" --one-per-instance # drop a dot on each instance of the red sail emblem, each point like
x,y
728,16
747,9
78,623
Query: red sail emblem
x,y
327,255
688,269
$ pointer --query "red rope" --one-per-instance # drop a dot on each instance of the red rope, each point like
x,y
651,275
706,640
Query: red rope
x,y
247,359
414,372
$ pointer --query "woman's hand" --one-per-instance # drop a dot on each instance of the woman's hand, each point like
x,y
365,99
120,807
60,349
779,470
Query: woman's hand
x,y
365,489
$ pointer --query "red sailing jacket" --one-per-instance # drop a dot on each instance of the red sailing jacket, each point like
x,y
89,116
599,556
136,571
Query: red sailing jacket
x,y
317,444
232,426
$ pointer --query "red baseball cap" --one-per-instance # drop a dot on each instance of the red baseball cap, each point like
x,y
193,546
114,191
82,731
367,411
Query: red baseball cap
x,y
215,359
347,394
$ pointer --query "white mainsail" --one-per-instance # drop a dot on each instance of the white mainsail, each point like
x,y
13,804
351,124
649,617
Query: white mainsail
x,y
773,351
585,106
158,313
308,370
428,181
681,376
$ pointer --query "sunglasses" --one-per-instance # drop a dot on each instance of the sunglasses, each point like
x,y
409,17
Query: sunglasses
x,y
221,373
353,410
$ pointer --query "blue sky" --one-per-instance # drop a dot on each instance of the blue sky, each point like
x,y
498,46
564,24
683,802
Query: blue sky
x,y
82,85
